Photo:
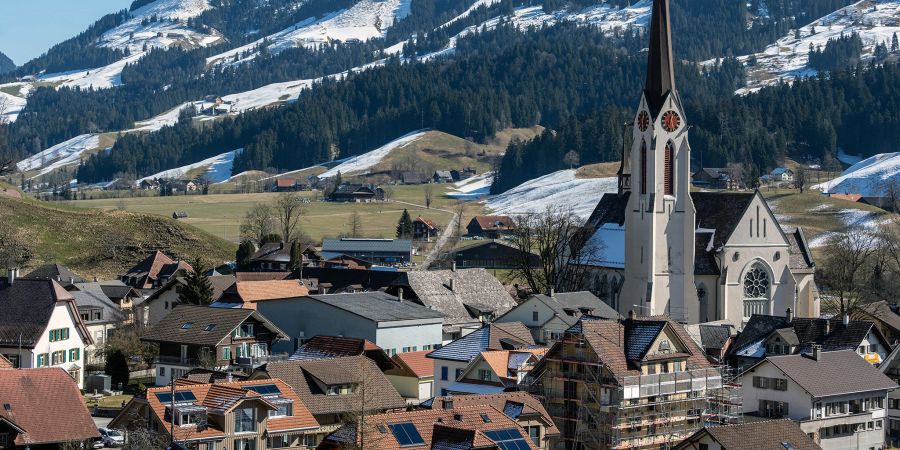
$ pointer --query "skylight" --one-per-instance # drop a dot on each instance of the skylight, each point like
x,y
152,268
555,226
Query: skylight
x,y
407,434
187,325
210,327
485,418
508,439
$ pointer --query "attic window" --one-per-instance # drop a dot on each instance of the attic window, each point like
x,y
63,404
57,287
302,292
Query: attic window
x,y
187,325
7,407
210,327
664,345
382,429
485,418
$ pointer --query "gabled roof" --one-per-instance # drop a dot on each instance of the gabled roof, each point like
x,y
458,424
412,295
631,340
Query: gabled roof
x,y
219,283
531,405
305,376
428,222
714,336
274,252
26,308
471,292
224,396
58,272
285,182
172,327
834,373
415,363
502,362
377,306
610,209
260,276
94,299
258,291
31,392
720,211
345,245
831,334
563,302
495,336
157,265
759,435
883,312
327,347
494,223
4,363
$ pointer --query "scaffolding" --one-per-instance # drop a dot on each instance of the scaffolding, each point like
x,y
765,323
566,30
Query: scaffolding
x,y
595,410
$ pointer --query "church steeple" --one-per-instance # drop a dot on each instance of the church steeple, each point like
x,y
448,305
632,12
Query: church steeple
x,y
660,69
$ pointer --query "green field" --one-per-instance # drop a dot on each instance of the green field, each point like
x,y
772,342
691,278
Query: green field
x,y
221,214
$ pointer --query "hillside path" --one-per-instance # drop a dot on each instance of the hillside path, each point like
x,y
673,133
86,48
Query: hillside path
x,y
439,243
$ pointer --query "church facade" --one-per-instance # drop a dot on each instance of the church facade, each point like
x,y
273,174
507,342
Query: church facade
x,y
695,256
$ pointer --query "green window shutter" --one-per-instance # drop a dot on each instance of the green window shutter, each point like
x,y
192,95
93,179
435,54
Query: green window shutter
x,y
66,331
77,354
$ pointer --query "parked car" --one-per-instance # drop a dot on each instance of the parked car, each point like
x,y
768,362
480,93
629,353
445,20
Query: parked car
x,y
111,438
97,443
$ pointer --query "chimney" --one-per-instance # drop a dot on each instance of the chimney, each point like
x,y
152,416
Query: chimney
x,y
71,280
400,294
447,402
58,279
96,279
846,319
552,292
816,352
453,267
452,284
230,378
827,326
10,276
630,314
789,315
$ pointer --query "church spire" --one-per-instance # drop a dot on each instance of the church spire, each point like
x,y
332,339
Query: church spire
x,y
660,70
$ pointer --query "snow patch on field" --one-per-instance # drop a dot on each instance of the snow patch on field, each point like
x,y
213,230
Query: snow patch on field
x,y
60,155
852,218
474,188
557,189
12,105
788,58
368,160
868,177
170,28
217,169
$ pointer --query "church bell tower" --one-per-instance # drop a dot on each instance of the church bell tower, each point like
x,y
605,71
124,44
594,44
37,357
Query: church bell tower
x,y
655,174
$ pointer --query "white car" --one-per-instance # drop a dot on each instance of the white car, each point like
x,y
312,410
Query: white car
x,y
111,438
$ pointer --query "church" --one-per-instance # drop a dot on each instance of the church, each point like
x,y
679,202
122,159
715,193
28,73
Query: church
x,y
695,256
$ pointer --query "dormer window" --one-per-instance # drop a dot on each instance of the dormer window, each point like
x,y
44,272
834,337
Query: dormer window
x,y
187,325
284,407
340,389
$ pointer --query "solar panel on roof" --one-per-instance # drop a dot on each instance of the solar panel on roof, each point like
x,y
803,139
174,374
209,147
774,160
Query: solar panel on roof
x,y
265,389
180,396
406,434
508,439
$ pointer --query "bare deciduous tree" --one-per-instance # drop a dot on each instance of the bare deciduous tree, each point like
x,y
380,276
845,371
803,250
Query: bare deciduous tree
x,y
364,405
564,245
355,224
801,177
572,159
288,210
429,195
258,223
847,259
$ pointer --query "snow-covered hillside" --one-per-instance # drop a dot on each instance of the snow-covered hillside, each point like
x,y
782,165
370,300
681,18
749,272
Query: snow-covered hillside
x,y
474,188
12,104
170,28
367,160
558,189
788,58
215,169
869,177
64,154
365,20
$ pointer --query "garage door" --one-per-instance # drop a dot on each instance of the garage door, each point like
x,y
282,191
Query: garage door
x,y
425,390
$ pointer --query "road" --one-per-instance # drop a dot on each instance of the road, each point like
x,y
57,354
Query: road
x,y
440,242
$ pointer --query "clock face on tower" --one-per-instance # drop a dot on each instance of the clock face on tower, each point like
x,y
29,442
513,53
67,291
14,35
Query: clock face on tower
x,y
671,121
643,121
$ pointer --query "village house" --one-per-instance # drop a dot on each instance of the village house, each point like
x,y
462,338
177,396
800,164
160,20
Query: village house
x,y
328,347
248,294
157,305
40,326
413,178
42,408
715,178
524,408
120,293
468,298
101,316
490,227
341,261
155,271
414,375
496,371
757,435
890,367
715,338
838,398
424,229
481,427
378,251
149,184
393,324
608,381
772,335
58,272
343,279
276,256
549,316
287,185
240,415
492,254
442,176
219,338
335,389
452,359
885,317
357,193
782,175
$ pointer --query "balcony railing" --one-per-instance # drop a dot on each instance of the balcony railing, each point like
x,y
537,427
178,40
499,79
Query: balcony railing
x,y
254,361
176,360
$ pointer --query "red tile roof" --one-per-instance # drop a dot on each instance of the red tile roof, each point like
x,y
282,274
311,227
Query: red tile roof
x,y
428,222
416,362
531,404
286,182
47,404
851,197
499,223
260,276
4,363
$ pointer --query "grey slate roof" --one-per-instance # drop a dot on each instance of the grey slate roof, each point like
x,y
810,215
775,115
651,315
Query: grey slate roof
x,y
720,211
704,261
831,336
95,299
760,435
170,328
474,291
26,307
714,336
883,312
366,245
273,251
57,272
496,336
801,260
577,300
378,306
610,209
834,373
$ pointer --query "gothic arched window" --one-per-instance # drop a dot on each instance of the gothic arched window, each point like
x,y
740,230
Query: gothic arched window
x,y
757,287
670,169
643,167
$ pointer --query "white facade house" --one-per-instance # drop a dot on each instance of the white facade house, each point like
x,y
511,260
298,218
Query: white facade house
x,y
837,398
395,325
548,316
782,174
890,366
40,326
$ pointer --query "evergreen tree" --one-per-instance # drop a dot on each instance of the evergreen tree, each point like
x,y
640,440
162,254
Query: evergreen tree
x,y
405,227
895,43
117,367
296,255
243,254
270,238
197,289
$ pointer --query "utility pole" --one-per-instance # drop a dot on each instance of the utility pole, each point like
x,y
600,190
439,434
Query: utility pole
x,y
172,415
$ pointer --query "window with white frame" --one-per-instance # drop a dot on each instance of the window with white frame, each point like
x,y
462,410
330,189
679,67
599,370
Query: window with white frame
x,y
757,286
244,421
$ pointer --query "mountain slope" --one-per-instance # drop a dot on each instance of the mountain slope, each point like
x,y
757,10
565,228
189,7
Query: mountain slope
x,y
106,243
6,64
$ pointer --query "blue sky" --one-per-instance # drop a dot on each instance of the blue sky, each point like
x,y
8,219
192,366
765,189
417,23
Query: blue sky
x,y
30,27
